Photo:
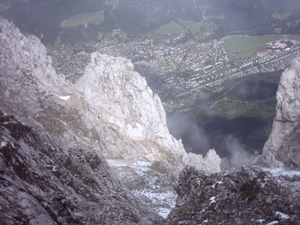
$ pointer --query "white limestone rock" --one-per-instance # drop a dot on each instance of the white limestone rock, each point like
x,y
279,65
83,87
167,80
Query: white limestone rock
x,y
122,98
211,163
282,147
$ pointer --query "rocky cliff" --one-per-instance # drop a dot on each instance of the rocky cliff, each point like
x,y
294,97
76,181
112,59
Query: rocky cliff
x,y
43,183
110,110
282,147
248,196
54,150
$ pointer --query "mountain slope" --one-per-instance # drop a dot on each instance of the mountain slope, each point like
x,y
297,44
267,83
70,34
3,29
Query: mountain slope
x,y
109,110
247,196
43,183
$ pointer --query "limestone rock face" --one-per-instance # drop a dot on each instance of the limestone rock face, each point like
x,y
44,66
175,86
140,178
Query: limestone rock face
x,y
121,97
211,161
109,110
282,147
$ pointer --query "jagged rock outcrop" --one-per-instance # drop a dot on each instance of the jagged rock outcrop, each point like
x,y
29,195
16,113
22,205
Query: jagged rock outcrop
x,y
109,110
249,196
120,97
212,162
42,183
282,147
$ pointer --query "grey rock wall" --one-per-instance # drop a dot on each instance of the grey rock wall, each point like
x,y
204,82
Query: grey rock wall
x,y
283,147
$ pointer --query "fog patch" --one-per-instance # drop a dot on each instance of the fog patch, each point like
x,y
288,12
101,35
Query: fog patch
x,y
203,99
238,155
247,88
193,137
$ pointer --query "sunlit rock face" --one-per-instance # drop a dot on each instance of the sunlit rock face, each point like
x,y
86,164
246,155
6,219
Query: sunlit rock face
x,y
211,161
109,110
282,147
120,97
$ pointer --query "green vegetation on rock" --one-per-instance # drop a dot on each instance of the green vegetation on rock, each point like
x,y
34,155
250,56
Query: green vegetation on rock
x,y
244,109
249,190
169,28
80,19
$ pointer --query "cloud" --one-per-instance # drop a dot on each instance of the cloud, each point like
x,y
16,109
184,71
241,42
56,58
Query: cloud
x,y
196,140
203,99
246,88
238,155
193,137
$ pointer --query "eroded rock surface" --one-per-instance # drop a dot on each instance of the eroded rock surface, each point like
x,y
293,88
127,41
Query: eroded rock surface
x,y
43,183
249,196
109,110
282,147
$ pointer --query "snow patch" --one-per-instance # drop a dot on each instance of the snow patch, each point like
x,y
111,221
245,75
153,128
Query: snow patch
x,y
260,220
272,223
65,98
281,216
282,172
3,144
165,201
54,169
214,185
198,181
9,122
212,200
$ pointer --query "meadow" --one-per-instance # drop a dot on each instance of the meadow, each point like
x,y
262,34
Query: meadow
x,y
241,47
169,28
80,19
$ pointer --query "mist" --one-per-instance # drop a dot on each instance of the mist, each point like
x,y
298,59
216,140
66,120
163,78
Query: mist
x,y
197,141
194,137
238,156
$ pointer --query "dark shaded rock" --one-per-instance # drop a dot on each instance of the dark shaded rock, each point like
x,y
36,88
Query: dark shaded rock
x,y
247,196
42,183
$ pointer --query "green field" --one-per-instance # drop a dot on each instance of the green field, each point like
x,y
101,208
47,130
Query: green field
x,y
197,28
240,47
194,26
293,37
169,28
80,19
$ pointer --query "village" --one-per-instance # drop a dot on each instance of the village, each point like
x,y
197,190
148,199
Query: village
x,y
177,69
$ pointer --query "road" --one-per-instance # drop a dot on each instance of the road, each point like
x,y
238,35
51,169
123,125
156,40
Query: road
x,y
235,74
